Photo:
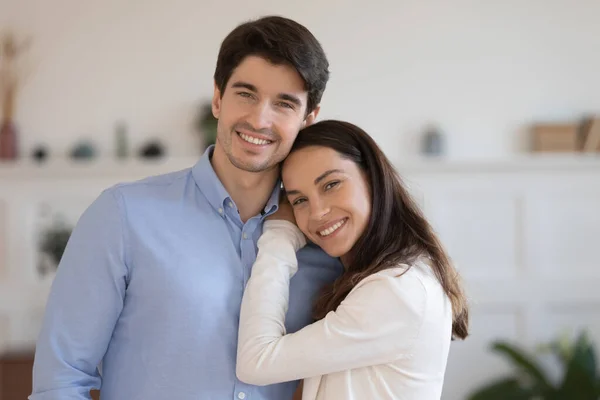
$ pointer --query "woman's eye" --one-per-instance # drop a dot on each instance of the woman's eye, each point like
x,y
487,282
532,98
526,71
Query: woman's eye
x,y
298,201
331,185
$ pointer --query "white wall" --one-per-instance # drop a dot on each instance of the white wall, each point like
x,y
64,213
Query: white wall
x,y
521,234
482,70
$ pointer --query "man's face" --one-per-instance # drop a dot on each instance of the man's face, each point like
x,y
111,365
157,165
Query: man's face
x,y
260,113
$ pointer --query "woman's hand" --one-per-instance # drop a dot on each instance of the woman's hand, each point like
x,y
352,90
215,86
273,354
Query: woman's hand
x,y
283,230
284,211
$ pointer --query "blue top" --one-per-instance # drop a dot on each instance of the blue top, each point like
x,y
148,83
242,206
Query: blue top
x,y
150,287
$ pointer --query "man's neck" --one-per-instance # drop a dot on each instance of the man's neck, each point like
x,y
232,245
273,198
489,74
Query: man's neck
x,y
249,190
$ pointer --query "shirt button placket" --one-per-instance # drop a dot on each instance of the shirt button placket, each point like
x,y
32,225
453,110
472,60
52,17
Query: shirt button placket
x,y
248,251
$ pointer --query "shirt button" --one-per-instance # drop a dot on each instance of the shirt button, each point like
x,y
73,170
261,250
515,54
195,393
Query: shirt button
x,y
230,204
241,395
245,235
220,210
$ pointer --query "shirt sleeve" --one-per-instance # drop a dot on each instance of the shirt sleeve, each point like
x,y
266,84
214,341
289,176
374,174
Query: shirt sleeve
x,y
84,304
377,323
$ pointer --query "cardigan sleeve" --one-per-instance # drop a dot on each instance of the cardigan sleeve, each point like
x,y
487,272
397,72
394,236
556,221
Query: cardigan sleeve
x,y
377,323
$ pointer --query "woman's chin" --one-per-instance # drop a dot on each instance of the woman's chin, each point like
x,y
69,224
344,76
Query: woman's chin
x,y
333,251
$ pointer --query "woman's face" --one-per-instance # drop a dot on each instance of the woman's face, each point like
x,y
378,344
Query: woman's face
x,y
330,198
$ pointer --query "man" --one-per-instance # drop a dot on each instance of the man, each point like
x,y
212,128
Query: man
x,y
151,282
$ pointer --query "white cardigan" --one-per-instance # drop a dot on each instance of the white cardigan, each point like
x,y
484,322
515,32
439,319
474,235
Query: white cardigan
x,y
389,339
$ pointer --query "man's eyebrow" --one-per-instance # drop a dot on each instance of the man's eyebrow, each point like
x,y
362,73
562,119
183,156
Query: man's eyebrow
x,y
282,96
244,85
291,98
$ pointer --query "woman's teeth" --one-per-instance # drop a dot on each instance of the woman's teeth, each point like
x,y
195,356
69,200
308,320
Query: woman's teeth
x,y
254,140
332,229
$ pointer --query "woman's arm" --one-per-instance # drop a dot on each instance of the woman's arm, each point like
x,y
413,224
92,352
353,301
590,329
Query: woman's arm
x,y
376,324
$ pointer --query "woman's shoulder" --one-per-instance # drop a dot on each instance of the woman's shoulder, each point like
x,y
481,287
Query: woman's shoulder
x,y
408,283
419,270
393,298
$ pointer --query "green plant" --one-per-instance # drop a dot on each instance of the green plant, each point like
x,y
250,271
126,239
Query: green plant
x,y
206,124
54,242
580,380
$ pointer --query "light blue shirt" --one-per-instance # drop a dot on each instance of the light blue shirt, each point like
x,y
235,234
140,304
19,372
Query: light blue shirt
x,y
150,287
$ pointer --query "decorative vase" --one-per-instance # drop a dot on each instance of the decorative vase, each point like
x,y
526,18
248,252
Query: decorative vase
x,y
8,141
433,143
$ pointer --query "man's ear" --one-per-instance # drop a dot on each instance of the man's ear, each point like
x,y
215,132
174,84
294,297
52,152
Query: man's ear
x,y
310,118
216,102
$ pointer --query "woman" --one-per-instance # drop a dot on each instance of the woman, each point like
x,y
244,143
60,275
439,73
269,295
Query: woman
x,y
383,329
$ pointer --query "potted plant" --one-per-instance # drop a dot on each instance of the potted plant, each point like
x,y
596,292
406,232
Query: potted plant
x,y
579,381
206,124
52,246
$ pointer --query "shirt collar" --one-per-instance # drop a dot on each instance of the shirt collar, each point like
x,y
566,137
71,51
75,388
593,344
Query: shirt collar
x,y
273,203
210,185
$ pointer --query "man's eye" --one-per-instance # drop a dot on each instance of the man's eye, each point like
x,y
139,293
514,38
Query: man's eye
x,y
286,105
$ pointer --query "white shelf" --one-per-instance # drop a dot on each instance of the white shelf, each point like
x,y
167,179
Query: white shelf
x,y
66,168
133,168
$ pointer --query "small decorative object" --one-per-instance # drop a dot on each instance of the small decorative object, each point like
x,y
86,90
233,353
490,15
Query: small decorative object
x,y
432,142
8,141
206,124
591,136
153,149
83,151
580,378
40,153
122,144
556,137
52,246
10,78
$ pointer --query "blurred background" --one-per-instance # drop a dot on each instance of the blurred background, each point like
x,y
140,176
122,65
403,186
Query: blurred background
x,y
489,109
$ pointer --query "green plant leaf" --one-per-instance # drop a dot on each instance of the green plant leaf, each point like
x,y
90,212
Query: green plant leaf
x,y
55,241
585,352
563,348
508,388
524,363
580,381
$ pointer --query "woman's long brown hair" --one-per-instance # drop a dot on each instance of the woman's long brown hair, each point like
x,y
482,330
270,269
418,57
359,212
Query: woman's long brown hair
x,y
397,232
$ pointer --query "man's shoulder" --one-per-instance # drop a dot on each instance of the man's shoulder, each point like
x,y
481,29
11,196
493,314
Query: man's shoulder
x,y
312,255
152,185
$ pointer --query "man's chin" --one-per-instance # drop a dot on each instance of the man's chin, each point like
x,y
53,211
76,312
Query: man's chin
x,y
251,165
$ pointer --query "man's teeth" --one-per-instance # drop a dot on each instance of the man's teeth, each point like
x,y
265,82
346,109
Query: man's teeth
x,y
254,140
332,229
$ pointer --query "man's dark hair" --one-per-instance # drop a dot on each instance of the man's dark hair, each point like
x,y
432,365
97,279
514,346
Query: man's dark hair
x,y
280,41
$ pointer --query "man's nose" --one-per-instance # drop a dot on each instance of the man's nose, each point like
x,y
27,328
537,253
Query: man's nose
x,y
261,116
